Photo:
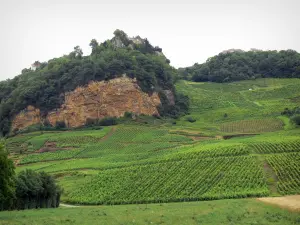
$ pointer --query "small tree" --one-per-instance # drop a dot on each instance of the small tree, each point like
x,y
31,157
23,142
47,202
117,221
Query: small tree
x,y
94,44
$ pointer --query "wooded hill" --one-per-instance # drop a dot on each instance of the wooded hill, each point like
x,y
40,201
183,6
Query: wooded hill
x,y
235,65
42,85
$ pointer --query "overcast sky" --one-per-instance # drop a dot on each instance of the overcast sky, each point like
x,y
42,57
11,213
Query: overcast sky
x,y
187,31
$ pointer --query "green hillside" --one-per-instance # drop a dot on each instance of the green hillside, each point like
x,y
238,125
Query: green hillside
x,y
44,85
234,144
233,107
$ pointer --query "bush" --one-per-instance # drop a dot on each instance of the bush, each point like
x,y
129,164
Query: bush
x,y
296,120
109,121
191,119
91,122
60,124
128,115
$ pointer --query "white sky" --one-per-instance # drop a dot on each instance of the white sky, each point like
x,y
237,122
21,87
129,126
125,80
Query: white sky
x,y
187,31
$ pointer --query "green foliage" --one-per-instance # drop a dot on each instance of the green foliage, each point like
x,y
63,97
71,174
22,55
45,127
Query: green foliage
x,y
180,108
190,119
7,184
43,87
36,190
109,121
296,119
239,65
60,124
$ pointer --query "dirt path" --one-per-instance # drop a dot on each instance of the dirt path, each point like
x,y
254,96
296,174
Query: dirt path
x,y
109,134
291,202
68,206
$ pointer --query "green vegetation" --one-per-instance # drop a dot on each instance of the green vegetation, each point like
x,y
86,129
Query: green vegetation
x,y
235,143
253,106
235,65
157,160
7,188
252,126
180,180
286,167
43,86
36,190
233,211
28,189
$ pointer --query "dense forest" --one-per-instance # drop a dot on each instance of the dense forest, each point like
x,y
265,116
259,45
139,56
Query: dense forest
x,y
235,65
43,84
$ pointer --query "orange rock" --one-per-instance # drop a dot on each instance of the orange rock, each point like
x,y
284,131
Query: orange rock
x,y
26,118
97,100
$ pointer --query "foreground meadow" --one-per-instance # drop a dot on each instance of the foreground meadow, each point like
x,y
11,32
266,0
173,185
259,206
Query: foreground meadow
x,y
234,211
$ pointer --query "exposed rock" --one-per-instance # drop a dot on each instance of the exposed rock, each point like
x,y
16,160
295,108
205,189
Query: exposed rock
x,y
96,101
26,118
170,96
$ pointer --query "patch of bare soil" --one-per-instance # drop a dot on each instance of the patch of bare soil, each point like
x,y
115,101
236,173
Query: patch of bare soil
x,y
51,147
237,135
202,138
291,202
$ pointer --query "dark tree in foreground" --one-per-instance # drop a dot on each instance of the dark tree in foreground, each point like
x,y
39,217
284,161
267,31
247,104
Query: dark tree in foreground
x,y
7,184
36,190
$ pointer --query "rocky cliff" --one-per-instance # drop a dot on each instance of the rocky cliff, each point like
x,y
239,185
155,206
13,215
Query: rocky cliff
x,y
26,118
96,101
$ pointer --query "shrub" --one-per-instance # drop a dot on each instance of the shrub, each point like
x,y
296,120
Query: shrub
x,y
109,121
296,119
60,124
191,119
128,114
91,122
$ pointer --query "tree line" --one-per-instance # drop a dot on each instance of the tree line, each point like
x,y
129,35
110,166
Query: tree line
x,y
236,65
28,189
43,85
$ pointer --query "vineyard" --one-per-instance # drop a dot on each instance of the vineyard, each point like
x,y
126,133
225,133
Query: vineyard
x,y
286,167
252,126
237,142
183,180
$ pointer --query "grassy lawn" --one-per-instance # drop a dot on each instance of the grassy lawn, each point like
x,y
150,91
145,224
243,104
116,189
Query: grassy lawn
x,y
242,211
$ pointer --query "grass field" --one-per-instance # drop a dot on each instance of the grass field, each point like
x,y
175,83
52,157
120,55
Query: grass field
x,y
234,211
239,146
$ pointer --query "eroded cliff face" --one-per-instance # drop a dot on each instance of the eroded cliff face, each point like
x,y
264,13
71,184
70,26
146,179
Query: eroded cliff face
x,y
26,118
97,100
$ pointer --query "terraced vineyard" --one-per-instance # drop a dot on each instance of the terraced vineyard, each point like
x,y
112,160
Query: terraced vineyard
x,y
210,158
252,126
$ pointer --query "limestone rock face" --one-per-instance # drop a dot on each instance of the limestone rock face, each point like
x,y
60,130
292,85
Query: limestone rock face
x,y
98,100
26,118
